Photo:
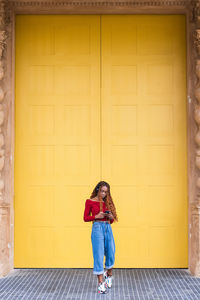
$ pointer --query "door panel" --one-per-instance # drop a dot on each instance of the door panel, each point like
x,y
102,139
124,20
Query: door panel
x,y
57,149
144,136
71,132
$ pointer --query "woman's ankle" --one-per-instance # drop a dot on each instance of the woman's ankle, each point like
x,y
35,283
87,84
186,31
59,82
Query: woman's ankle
x,y
109,272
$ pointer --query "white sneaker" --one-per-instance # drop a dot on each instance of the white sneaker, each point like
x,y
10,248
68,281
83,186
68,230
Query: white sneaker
x,y
108,279
102,288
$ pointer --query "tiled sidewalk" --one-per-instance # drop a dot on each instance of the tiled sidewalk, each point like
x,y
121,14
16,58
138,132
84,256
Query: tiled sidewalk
x,y
71,284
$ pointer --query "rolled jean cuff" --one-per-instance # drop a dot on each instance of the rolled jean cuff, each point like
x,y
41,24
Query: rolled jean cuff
x,y
109,267
98,273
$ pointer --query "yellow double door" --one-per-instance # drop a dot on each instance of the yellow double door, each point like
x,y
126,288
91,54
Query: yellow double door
x,y
100,98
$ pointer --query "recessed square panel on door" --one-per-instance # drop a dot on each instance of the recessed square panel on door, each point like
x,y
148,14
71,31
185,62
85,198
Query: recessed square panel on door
x,y
57,141
144,136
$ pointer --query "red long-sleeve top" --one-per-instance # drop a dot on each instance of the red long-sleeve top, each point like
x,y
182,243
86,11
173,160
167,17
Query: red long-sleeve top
x,y
94,208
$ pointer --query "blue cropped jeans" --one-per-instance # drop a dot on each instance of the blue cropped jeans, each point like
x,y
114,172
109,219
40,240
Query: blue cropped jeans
x,y
102,244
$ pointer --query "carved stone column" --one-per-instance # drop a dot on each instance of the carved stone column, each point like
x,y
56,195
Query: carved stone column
x,y
195,203
5,205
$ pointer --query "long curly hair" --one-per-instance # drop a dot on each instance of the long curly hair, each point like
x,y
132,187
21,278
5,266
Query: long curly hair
x,y
108,198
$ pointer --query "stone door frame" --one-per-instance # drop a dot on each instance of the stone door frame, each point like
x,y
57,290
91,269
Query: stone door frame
x,y
8,10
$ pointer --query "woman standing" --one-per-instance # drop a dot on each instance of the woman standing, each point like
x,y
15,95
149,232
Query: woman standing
x,y
104,213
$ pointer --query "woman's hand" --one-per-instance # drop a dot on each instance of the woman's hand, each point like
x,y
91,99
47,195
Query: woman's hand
x,y
110,216
100,215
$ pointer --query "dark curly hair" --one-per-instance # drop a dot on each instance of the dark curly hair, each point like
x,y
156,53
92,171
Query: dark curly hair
x,y
108,199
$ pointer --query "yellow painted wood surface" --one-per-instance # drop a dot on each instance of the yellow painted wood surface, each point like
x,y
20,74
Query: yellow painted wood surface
x,y
144,137
100,98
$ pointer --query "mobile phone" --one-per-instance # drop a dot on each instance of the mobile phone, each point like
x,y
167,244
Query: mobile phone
x,y
106,212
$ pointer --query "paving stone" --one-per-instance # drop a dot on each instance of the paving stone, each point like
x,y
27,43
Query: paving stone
x,y
81,284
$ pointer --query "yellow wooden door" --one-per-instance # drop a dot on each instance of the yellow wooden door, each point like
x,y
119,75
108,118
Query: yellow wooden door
x,y
144,137
57,141
100,98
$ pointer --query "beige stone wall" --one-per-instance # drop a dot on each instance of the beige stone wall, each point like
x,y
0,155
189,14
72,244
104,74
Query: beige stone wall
x,y
8,10
6,168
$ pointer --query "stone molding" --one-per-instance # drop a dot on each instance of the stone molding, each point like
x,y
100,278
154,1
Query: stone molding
x,y
195,205
4,204
99,3
95,5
